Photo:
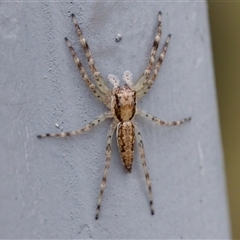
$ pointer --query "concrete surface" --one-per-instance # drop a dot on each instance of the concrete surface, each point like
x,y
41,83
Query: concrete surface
x,y
49,187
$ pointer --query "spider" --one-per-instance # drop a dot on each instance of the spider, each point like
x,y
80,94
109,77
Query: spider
x,y
121,101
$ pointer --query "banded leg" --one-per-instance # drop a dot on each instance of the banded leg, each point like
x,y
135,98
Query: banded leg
x,y
161,122
99,80
85,77
149,82
145,76
107,164
89,126
143,158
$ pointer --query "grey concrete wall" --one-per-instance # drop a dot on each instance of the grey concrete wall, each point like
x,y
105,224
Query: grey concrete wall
x,y
49,187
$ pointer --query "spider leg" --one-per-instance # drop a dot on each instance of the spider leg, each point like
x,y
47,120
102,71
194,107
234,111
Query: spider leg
x,y
99,80
161,122
149,82
85,77
143,158
140,82
107,164
89,126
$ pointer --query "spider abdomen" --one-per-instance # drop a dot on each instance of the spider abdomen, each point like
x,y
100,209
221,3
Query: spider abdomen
x,y
126,141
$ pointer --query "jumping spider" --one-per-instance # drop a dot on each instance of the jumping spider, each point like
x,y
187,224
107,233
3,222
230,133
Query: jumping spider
x,y
121,101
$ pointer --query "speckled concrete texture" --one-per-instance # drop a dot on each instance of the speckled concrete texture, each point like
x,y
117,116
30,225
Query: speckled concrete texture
x,y
49,187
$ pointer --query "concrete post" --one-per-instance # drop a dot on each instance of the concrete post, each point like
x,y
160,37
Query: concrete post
x,y
49,187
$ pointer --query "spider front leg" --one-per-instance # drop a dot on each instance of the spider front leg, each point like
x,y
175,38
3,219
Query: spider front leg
x,y
161,122
149,82
89,126
143,158
99,79
85,77
145,76
107,164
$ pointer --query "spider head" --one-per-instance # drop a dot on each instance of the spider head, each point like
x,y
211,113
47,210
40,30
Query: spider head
x,y
124,103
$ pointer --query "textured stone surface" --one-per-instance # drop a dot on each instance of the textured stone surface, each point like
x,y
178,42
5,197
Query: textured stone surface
x,y
49,187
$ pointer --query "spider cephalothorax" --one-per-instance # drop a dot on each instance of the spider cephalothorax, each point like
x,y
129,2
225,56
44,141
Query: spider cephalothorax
x,y
122,104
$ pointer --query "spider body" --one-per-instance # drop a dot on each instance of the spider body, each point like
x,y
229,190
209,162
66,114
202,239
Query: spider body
x,y
121,102
124,108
